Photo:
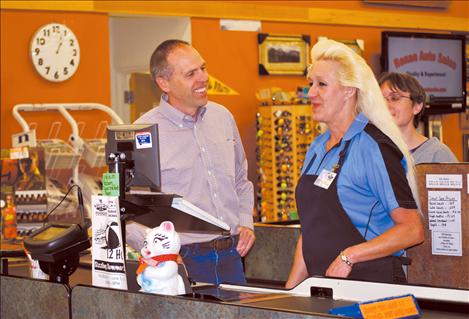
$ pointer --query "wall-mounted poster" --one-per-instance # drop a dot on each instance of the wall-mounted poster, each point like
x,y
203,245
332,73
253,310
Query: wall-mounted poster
x,y
283,54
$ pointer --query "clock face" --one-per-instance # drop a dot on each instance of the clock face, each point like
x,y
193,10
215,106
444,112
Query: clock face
x,y
55,52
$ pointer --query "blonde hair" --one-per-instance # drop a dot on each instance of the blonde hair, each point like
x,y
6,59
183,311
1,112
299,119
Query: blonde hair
x,y
355,72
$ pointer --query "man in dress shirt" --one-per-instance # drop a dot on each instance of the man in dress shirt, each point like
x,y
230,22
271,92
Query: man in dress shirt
x,y
202,159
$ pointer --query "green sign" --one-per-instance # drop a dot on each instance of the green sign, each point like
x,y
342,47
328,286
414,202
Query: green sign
x,y
111,184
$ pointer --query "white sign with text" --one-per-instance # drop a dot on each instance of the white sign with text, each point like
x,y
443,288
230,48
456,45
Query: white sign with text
x,y
108,253
444,181
444,220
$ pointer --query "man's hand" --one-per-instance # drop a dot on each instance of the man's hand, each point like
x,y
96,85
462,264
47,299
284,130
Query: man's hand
x,y
246,240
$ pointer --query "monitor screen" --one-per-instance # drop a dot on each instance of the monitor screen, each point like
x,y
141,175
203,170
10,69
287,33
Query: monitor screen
x,y
140,144
437,61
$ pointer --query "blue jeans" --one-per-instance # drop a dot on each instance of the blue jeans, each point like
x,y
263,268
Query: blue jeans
x,y
212,264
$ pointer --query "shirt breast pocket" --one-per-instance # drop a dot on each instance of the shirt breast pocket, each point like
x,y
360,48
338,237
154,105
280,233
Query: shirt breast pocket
x,y
223,156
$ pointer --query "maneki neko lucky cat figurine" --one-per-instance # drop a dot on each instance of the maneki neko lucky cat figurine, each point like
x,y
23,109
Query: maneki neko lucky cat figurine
x,y
158,269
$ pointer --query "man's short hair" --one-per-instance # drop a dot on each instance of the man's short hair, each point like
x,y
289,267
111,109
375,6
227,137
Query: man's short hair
x,y
406,83
159,59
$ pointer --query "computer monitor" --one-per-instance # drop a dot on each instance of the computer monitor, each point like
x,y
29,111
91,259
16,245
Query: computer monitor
x,y
140,145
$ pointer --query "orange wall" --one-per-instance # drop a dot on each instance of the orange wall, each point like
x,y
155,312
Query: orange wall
x,y
232,57
455,8
21,84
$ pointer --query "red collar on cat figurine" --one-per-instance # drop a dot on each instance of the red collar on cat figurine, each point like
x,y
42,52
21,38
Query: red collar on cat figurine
x,y
153,261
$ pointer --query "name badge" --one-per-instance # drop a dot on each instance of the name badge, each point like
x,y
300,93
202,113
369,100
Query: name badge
x,y
325,179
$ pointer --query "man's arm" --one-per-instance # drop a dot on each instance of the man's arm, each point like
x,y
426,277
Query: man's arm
x,y
245,192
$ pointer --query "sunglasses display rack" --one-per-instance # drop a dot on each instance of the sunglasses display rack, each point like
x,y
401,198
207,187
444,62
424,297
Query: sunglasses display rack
x,y
284,133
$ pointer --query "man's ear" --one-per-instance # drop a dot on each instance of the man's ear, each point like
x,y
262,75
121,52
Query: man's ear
x,y
163,84
417,107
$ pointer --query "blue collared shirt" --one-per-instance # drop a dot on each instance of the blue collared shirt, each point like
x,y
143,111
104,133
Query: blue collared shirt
x,y
372,179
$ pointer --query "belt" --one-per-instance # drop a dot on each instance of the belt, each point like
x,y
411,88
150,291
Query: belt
x,y
218,243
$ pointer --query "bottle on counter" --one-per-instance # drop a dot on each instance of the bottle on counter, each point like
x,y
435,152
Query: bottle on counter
x,y
9,218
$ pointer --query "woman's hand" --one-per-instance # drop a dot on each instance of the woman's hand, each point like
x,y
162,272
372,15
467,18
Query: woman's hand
x,y
338,268
298,272
407,231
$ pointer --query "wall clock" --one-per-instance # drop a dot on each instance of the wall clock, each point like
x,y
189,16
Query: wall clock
x,y
55,52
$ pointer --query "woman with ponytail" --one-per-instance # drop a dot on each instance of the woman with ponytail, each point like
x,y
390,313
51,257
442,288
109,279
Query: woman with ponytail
x,y
356,197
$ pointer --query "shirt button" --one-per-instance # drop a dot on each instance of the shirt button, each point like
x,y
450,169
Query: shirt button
x,y
203,149
215,195
220,218
180,125
209,173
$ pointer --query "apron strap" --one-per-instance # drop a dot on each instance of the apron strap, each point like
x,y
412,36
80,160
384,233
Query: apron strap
x,y
310,164
337,167
342,155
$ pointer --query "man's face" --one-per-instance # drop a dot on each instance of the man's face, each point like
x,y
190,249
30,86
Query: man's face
x,y
187,85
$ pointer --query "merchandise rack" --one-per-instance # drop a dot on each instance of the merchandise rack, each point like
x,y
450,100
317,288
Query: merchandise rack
x,y
61,156
284,133
57,152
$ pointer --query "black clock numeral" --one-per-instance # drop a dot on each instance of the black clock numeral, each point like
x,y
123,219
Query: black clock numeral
x,y
56,28
56,75
72,62
65,33
41,41
74,52
72,42
40,61
36,51
47,69
46,32
65,70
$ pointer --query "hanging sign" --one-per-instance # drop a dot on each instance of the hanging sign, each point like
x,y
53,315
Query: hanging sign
x,y
217,87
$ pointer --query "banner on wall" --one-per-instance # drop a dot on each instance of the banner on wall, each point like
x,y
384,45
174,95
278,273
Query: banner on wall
x,y
217,87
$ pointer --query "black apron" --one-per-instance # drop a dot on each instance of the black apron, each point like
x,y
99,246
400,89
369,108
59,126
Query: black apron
x,y
327,230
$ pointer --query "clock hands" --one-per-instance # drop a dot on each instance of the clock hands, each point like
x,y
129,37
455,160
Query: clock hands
x,y
60,44
57,52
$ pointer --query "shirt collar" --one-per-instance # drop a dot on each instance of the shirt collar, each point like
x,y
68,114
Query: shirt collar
x,y
177,117
357,126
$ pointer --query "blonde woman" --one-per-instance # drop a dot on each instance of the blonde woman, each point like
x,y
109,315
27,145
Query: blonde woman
x,y
356,204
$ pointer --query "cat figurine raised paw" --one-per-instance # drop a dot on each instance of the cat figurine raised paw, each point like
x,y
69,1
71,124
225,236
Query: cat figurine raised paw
x,y
158,269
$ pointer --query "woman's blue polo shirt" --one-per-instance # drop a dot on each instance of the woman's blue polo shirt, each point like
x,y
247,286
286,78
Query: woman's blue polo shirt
x,y
372,182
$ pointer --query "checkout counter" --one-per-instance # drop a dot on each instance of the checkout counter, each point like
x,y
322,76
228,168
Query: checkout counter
x,y
269,260
23,297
